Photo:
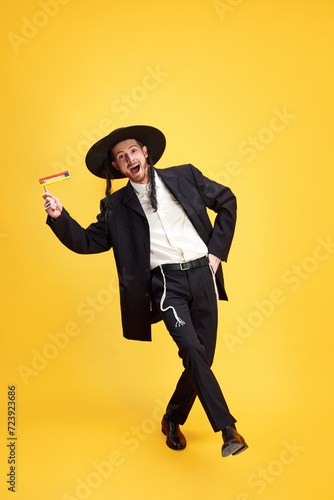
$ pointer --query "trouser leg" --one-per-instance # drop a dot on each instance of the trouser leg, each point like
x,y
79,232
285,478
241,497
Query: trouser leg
x,y
204,322
192,294
182,400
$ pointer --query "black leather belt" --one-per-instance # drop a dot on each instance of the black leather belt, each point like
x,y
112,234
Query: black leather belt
x,y
184,266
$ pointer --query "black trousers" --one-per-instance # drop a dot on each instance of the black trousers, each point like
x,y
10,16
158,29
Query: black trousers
x,y
191,296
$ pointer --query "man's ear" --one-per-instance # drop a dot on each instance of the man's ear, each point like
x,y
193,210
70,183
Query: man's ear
x,y
114,164
145,151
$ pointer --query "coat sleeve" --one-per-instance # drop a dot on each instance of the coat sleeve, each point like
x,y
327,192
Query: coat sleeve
x,y
94,239
221,200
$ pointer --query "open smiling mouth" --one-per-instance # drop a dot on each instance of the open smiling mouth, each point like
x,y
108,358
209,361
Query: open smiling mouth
x,y
135,169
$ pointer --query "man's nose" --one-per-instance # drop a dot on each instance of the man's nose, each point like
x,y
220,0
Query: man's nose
x,y
130,158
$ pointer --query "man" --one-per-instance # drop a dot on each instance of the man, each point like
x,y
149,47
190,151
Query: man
x,y
168,262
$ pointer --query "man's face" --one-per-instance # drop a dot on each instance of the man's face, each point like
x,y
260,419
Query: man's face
x,y
130,160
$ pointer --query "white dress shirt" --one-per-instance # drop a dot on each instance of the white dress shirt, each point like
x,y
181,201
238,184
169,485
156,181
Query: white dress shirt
x,y
173,238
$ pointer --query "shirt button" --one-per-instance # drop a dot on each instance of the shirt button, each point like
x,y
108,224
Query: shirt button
x,y
146,245
147,270
147,295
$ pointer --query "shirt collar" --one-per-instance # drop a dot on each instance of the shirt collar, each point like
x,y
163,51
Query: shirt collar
x,y
141,190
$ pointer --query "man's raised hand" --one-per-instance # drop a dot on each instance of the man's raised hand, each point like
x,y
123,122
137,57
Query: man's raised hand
x,y
52,205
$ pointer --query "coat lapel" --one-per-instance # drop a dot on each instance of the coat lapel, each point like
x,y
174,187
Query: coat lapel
x,y
131,200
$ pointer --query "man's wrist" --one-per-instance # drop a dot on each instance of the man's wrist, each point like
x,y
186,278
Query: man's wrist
x,y
53,219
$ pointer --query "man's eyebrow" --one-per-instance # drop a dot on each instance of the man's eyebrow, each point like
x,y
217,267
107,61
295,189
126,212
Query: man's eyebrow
x,y
129,147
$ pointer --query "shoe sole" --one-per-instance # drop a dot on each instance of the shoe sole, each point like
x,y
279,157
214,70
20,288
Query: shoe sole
x,y
243,448
234,449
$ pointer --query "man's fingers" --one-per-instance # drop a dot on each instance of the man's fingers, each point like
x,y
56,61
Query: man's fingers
x,y
214,262
48,199
49,203
47,195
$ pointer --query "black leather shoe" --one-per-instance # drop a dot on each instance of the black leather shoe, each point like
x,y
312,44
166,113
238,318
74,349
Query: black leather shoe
x,y
175,439
233,442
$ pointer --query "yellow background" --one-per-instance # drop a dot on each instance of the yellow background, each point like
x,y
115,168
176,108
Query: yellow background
x,y
212,76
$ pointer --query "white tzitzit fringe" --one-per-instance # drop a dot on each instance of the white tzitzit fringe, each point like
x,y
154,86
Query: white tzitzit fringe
x,y
215,285
179,321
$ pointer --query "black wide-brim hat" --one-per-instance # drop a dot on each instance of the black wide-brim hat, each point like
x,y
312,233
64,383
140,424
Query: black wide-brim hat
x,y
99,153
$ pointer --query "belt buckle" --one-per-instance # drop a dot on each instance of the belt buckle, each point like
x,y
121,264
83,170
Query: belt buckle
x,y
184,266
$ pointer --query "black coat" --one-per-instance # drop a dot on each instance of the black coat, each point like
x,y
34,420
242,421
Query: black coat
x,y
127,232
